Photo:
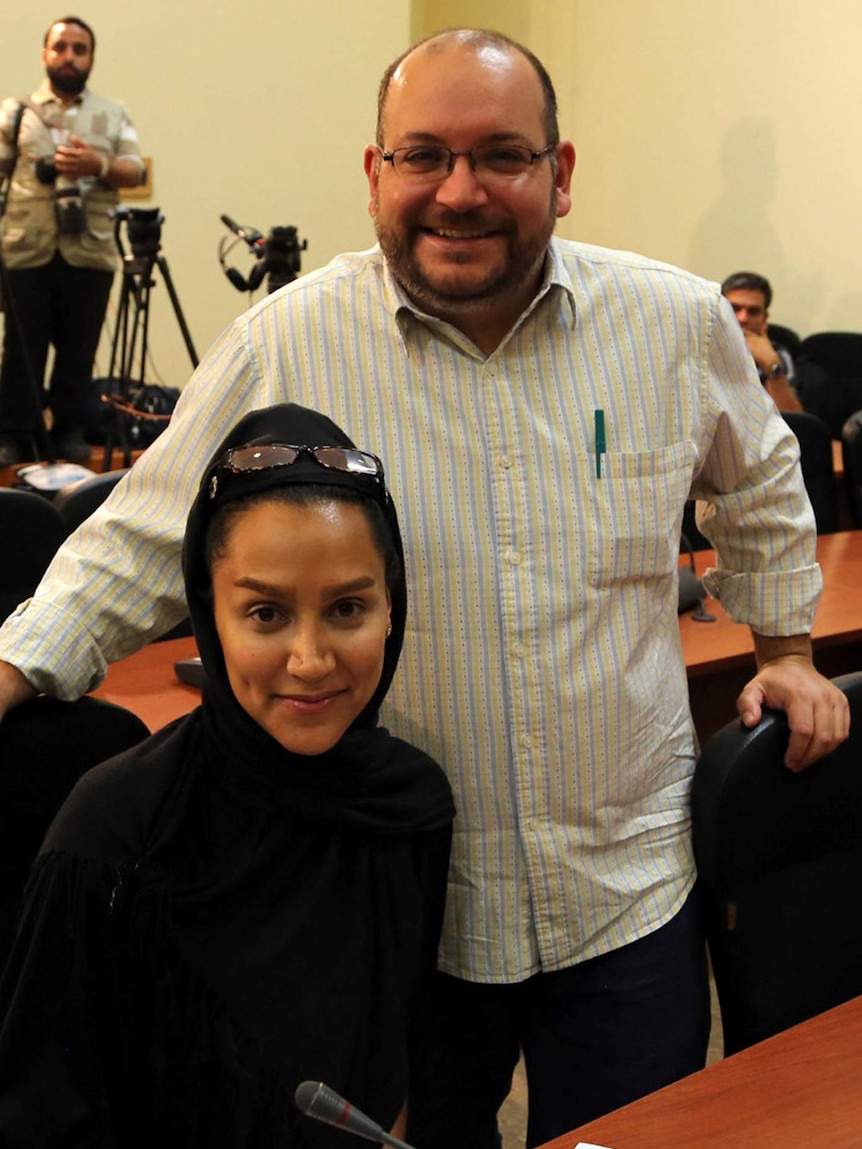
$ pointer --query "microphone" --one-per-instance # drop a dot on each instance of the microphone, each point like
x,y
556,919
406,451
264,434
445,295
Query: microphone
x,y
251,235
319,1101
691,592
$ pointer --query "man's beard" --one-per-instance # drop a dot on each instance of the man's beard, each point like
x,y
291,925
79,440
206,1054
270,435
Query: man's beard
x,y
521,264
68,80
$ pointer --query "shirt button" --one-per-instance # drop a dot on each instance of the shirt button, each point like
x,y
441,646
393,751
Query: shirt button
x,y
527,741
514,558
519,650
506,463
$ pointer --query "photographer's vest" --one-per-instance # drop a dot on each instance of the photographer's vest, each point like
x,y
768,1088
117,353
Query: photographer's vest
x,y
30,232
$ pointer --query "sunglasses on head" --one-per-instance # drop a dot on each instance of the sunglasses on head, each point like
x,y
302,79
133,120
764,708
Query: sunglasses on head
x,y
265,456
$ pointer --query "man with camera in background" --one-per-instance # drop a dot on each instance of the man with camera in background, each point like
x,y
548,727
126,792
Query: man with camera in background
x,y
66,151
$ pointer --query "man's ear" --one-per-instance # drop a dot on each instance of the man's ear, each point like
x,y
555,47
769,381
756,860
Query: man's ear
x,y
565,158
371,163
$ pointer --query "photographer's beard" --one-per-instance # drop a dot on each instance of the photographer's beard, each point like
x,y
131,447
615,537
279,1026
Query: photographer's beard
x,y
68,80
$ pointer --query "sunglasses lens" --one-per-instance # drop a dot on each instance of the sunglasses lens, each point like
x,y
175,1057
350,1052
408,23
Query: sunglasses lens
x,y
347,459
260,458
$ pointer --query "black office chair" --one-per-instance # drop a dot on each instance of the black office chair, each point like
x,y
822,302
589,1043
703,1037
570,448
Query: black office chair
x,y
77,502
818,469
779,857
829,376
696,540
31,530
45,747
786,337
851,450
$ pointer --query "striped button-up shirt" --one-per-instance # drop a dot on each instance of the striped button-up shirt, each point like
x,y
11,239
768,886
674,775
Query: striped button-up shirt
x,y
542,662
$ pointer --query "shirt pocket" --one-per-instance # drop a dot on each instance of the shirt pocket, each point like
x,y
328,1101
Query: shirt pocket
x,y
29,225
639,502
100,226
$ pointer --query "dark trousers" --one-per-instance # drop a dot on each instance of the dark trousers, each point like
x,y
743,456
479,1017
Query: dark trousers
x,y
595,1036
61,305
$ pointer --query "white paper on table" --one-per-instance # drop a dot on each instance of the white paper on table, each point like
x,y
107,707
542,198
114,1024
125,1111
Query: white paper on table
x,y
589,1145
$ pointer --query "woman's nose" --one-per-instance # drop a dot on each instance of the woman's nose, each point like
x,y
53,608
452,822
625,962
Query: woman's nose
x,y
310,655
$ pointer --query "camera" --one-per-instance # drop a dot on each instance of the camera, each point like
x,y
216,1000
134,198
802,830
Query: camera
x,y
68,202
143,228
278,256
46,169
69,207
282,256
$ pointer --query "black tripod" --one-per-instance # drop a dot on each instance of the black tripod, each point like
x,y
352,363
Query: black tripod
x,y
131,401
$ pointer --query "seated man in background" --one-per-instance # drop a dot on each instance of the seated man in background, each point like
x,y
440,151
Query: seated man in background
x,y
750,295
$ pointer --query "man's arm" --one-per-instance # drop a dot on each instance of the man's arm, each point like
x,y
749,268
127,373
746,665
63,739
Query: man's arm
x,y
14,688
8,115
77,160
772,371
759,520
786,679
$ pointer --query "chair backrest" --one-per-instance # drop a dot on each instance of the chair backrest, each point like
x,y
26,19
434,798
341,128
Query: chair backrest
x,y
696,540
851,450
786,337
77,502
818,469
829,376
779,858
45,747
31,530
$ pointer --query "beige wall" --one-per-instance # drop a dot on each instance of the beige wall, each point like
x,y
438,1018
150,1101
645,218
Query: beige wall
x,y
718,137
713,137
260,110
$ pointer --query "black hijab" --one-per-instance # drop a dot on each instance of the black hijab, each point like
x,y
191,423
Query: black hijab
x,y
357,780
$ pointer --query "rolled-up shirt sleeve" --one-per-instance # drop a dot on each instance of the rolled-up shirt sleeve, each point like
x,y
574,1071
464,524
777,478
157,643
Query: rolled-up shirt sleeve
x,y
753,505
127,145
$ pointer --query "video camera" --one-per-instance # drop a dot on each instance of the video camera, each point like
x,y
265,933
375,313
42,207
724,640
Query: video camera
x,y
143,228
277,254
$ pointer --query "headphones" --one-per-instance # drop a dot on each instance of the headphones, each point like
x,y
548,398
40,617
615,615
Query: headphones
x,y
255,276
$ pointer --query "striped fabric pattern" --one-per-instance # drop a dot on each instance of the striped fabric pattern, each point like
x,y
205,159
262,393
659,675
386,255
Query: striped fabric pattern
x,y
542,663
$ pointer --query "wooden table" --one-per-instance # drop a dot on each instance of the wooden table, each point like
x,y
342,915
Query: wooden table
x,y
799,1090
9,475
146,683
719,656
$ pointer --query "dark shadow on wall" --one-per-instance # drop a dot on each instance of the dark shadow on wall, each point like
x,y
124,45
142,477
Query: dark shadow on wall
x,y
736,232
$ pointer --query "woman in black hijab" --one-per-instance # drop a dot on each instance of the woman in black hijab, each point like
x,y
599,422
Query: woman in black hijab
x,y
253,896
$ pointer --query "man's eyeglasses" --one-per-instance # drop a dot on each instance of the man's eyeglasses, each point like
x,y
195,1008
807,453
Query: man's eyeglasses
x,y
263,457
431,162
